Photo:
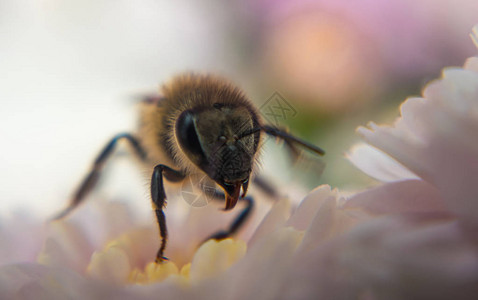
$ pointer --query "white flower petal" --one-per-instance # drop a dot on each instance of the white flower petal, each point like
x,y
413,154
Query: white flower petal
x,y
377,164
404,151
456,94
474,35
471,64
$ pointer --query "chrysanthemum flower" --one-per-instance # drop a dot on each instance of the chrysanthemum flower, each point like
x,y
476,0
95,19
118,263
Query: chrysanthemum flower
x,y
412,237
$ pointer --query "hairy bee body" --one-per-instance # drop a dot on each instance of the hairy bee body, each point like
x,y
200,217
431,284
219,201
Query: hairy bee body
x,y
200,125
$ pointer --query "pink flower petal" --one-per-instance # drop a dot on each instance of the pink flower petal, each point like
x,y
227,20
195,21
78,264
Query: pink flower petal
x,y
393,257
322,225
436,139
398,197
21,238
276,217
66,245
308,207
264,268
34,281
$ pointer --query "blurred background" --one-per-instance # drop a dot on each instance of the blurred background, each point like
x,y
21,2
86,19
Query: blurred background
x,y
70,70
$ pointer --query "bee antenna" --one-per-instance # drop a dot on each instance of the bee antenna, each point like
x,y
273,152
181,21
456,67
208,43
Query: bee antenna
x,y
249,132
274,131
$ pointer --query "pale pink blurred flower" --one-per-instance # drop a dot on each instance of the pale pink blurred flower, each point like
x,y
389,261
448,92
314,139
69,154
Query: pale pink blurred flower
x,y
425,242
103,252
413,237
435,138
340,54
20,238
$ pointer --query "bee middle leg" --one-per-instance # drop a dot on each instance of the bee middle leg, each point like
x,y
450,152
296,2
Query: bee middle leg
x,y
265,186
238,222
158,197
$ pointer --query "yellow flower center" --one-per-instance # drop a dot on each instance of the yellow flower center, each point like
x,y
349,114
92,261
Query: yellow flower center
x,y
113,264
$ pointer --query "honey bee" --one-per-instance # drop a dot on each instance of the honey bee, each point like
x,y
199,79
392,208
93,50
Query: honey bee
x,y
200,125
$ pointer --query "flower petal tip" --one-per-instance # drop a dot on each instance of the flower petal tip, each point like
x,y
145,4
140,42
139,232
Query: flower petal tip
x,y
474,35
215,257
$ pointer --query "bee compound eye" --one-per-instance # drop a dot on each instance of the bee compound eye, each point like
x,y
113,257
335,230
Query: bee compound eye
x,y
187,135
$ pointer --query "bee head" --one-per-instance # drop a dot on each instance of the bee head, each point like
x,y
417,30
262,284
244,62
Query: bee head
x,y
219,141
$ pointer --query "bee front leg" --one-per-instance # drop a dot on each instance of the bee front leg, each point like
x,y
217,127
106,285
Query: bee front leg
x,y
158,197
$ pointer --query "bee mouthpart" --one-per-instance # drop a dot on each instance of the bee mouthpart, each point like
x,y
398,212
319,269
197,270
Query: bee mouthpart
x,y
232,194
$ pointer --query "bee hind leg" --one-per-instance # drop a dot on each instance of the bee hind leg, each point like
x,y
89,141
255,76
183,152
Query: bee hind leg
x,y
158,197
92,178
